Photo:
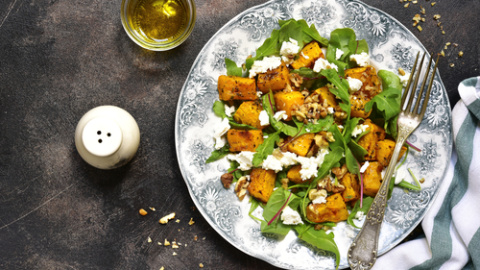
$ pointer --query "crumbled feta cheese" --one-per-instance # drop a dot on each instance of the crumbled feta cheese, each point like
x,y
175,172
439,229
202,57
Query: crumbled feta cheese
x,y
330,110
305,56
362,59
219,131
354,84
404,79
278,159
399,176
243,158
263,117
229,110
359,129
322,64
364,167
360,215
310,165
261,66
290,216
259,94
280,115
319,200
289,48
338,54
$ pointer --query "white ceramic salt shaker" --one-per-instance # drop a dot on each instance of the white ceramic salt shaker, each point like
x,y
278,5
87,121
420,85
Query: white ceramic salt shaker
x,y
107,137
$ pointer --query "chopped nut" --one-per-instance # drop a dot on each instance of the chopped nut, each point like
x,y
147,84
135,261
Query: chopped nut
x,y
442,53
460,53
195,238
174,253
433,3
422,180
166,243
443,32
152,208
448,44
414,1
174,245
165,219
149,240
436,16
191,222
452,65
422,10
401,71
315,193
158,243
162,268
419,28
406,5
227,179
340,171
177,221
200,265
142,212
241,187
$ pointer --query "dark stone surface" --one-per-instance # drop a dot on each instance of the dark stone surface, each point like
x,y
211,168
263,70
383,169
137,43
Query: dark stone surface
x,y
59,59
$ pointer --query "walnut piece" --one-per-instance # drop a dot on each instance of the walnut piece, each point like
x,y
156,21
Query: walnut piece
x,y
241,187
226,179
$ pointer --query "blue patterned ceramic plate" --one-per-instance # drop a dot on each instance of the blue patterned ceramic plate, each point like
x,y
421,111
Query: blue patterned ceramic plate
x,y
391,46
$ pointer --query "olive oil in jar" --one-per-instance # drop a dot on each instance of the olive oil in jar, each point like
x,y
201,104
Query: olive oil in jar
x,y
159,20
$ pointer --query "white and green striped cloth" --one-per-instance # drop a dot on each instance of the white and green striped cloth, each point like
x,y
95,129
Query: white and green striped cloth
x,y
452,224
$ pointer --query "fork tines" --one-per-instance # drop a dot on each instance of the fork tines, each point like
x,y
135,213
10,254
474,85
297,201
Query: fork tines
x,y
410,91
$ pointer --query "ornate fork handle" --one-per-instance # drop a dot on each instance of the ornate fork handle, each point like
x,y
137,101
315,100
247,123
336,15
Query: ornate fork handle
x,y
362,254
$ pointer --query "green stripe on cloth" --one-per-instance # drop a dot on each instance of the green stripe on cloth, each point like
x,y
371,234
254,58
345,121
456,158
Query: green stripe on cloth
x,y
441,240
474,108
474,248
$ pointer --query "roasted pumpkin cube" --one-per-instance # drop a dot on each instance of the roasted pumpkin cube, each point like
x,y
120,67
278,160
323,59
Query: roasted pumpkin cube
x,y
369,140
244,140
325,96
368,75
262,183
236,88
308,55
294,175
274,79
357,105
372,178
352,188
301,145
288,102
384,151
248,113
334,210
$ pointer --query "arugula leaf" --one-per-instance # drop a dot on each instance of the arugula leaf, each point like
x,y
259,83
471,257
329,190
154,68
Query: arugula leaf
x,y
232,68
319,239
275,204
296,29
367,202
387,102
358,151
331,160
265,149
218,153
352,163
340,90
219,109
253,205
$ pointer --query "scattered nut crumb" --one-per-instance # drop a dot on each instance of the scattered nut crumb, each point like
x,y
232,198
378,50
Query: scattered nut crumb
x,y
227,179
433,3
406,5
452,65
142,212
174,245
152,208
204,238
401,71
158,243
166,243
200,265
195,238
442,53
422,180
174,253
165,219
149,240
191,222
460,54
177,221
419,28
162,268
436,16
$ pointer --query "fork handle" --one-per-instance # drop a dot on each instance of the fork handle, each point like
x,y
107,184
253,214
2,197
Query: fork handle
x,y
362,254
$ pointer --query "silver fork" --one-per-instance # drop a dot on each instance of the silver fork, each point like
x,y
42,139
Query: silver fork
x,y
362,254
